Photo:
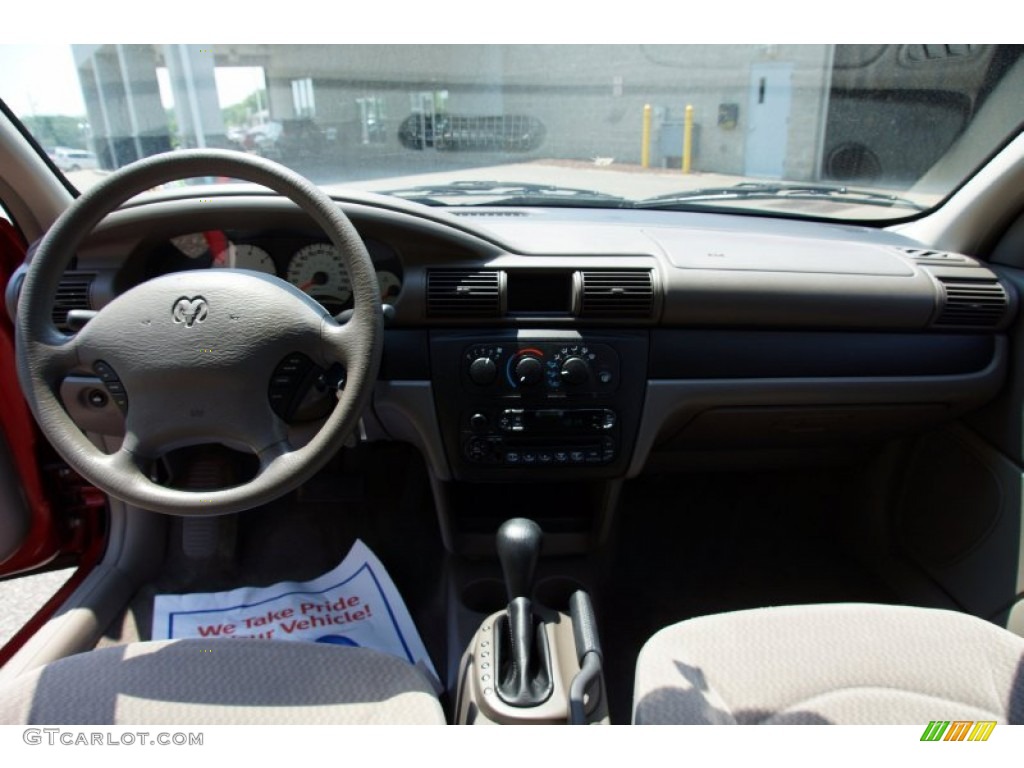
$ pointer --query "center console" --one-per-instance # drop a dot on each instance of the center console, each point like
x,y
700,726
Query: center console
x,y
529,664
549,405
541,420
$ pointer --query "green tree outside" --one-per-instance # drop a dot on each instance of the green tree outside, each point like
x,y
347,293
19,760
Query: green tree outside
x,y
59,130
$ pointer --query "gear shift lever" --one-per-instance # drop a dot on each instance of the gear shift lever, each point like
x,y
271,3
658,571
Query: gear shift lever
x,y
519,542
521,652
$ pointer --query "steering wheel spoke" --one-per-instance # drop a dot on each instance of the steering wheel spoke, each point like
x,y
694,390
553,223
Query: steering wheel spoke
x,y
196,352
56,358
341,344
273,452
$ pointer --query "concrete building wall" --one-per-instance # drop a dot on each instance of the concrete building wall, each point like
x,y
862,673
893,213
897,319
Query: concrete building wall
x,y
122,99
589,98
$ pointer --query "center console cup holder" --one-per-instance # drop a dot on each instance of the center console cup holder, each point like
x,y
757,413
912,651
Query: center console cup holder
x,y
554,592
484,596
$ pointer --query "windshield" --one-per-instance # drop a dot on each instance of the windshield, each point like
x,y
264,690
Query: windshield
x,y
857,132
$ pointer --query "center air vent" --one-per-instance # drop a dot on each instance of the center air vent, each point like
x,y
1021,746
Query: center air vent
x,y
463,293
620,293
972,303
72,293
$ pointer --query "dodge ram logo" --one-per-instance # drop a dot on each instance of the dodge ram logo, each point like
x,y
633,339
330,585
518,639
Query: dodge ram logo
x,y
190,311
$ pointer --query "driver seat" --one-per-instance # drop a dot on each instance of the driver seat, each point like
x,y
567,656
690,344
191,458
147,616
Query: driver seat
x,y
223,682
849,664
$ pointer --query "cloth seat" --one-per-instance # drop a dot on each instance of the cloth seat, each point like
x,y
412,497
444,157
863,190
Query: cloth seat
x,y
239,682
844,664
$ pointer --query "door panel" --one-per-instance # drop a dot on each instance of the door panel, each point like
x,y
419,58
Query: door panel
x,y
14,518
27,533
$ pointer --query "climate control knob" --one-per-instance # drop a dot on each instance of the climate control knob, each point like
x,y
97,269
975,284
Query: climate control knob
x,y
483,371
528,371
575,371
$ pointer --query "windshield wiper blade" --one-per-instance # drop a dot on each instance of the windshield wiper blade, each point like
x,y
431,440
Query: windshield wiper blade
x,y
507,193
762,191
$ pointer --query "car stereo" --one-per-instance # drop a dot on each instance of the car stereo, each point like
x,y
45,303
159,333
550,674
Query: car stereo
x,y
555,403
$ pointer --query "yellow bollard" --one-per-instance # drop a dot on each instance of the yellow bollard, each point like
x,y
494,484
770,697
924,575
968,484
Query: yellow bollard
x,y
687,138
645,147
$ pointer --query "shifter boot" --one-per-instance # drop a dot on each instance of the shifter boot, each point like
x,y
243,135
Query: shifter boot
x,y
522,657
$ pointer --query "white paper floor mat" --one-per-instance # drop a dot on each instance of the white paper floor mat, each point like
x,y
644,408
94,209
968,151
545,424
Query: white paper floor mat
x,y
355,604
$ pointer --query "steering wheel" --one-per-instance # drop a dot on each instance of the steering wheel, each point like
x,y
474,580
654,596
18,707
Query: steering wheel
x,y
194,352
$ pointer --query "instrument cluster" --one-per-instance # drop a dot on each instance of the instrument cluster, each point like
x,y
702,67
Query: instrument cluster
x,y
314,266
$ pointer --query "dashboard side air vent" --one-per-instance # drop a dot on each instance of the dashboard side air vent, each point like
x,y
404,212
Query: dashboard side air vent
x,y
972,303
72,293
616,293
463,293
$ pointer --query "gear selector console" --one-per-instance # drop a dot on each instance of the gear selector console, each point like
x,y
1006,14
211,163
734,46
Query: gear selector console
x,y
528,663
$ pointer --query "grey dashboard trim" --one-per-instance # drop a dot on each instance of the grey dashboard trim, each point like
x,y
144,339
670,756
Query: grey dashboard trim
x,y
794,300
678,400
137,222
728,251
709,269
406,410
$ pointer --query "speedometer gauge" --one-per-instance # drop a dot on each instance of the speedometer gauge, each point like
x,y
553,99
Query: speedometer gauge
x,y
319,271
245,257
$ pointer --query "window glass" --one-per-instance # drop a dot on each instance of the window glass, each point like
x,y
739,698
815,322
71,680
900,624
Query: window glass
x,y
878,131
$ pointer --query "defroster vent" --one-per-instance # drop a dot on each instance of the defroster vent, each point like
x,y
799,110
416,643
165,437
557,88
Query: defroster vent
x,y
463,293
972,303
617,293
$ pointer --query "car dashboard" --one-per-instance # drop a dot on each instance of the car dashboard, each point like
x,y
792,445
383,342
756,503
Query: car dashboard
x,y
580,344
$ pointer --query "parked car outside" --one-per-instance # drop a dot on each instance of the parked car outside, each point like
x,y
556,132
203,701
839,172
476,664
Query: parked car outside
x,y
75,159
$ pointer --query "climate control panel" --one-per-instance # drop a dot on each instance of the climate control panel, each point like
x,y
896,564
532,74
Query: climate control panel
x,y
541,368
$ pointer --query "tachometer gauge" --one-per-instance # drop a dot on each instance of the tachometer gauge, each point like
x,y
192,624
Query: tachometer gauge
x,y
192,245
245,257
390,285
319,271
